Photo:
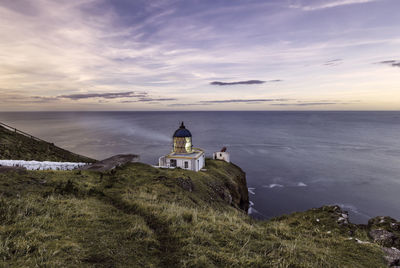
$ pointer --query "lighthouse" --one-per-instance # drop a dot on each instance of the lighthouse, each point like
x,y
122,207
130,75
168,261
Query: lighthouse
x,y
183,154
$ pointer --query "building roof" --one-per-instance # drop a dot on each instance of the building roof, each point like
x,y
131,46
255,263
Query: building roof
x,y
196,153
182,132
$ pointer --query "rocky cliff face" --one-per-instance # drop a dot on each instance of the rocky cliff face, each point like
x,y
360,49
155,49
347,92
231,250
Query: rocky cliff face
x,y
381,231
385,231
230,185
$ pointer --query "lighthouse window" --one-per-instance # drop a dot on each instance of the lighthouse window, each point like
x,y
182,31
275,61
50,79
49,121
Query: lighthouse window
x,y
186,164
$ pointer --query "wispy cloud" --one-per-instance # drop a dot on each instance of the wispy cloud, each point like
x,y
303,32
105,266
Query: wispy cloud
x,y
315,103
329,4
242,101
333,62
305,104
393,63
149,100
187,104
111,95
93,51
247,82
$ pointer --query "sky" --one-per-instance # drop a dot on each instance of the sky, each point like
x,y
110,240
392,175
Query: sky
x,y
106,55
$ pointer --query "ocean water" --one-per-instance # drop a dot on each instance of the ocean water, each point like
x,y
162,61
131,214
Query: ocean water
x,y
293,160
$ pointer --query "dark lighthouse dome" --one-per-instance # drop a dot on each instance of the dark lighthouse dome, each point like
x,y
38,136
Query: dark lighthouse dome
x,y
182,132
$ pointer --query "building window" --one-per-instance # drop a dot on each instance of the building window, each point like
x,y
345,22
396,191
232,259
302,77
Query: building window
x,y
173,163
186,164
220,155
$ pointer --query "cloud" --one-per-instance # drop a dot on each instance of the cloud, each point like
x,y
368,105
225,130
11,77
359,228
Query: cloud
x,y
148,99
310,103
248,82
94,46
241,101
393,63
40,99
329,4
111,95
187,104
333,62
155,99
305,104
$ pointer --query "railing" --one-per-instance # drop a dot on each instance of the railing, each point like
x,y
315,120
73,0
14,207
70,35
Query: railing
x,y
21,132
13,129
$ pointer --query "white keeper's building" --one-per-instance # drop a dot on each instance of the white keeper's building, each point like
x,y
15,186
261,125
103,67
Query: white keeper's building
x,y
183,154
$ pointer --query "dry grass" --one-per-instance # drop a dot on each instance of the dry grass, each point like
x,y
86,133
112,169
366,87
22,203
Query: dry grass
x,y
19,147
139,216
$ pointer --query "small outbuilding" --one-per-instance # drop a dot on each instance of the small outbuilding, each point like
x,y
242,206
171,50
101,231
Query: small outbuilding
x,y
183,155
222,155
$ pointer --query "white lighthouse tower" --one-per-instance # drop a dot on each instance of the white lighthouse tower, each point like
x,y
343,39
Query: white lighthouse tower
x,y
183,154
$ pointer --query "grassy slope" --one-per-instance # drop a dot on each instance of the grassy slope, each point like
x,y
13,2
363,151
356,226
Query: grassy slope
x,y
141,216
19,147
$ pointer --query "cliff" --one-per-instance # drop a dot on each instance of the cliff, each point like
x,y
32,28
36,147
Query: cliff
x,y
136,215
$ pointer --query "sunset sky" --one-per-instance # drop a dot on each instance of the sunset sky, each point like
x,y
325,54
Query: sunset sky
x,y
199,55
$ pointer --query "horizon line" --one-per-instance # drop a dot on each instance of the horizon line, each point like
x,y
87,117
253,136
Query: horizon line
x,y
97,111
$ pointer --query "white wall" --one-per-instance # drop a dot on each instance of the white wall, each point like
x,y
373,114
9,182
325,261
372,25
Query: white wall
x,y
202,162
42,165
193,164
222,156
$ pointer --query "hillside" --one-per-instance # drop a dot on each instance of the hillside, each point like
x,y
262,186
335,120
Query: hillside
x,y
14,145
137,215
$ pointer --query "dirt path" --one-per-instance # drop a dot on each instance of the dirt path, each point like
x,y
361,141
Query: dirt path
x,y
169,244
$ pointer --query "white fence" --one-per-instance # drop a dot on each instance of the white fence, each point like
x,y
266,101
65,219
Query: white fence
x,y
42,165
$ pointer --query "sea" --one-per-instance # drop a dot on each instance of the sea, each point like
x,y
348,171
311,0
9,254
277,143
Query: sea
x,y
293,161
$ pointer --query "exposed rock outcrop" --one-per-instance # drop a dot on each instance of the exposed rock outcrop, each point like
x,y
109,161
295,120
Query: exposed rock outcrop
x,y
392,256
186,184
383,237
385,231
112,162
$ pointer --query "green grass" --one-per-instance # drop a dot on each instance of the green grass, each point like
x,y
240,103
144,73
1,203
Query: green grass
x,y
19,147
140,216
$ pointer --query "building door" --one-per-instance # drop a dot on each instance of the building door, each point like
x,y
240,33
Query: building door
x,y
186,164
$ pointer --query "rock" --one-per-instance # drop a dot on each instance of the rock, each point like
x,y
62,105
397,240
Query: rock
x,y
112,162
161,178
392,256
389,225
223,192
395,226
186,184
227,197
361,242
342,220
383,237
